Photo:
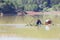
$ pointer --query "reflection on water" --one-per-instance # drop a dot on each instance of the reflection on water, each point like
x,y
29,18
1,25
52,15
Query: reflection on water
x,y
26,19
14,19
7,19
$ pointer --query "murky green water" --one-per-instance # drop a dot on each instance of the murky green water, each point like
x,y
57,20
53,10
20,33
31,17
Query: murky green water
x,y
26,19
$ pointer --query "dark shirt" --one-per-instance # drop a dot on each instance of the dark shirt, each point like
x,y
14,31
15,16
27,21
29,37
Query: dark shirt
x,y
38,22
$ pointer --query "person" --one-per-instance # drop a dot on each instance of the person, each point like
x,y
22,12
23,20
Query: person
x,y
48,23
38,23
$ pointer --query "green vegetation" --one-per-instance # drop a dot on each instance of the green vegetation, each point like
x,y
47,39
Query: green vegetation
x,y
33,5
